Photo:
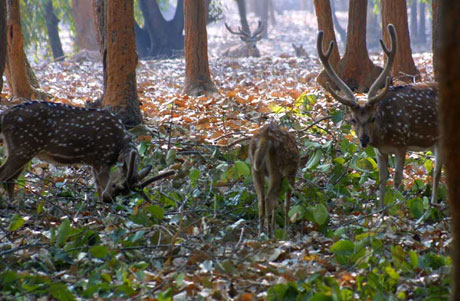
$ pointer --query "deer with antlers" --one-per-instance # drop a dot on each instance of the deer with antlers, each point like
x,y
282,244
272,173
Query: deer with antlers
x,y
299,51
393,121
249,48
63,134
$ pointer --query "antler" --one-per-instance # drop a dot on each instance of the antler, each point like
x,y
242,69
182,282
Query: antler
x,y
372,97
260,28
240,32
349,99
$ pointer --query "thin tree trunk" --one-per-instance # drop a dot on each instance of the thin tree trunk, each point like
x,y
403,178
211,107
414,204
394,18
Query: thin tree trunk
x,y
83,16
395,12
421,26
2,42
264,17
243,15
53,31
197,76
450,123
338,27
355,68
21,80
324,18
413,19
436,43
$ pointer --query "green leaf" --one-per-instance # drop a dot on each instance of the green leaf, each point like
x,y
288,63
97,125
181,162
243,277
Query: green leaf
x,y
157,211
314,160
413,257
242,169
99,251
343,247
194,174
392,273
415,207
16,222
60,292
171,156
367,164
320,214
63,232
428,165
337,116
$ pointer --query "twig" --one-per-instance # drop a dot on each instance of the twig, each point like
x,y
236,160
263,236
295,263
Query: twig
x,y
156,178
238,141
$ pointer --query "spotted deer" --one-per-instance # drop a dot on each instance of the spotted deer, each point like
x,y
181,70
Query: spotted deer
x,y
273,153
62,134
299,51
249,48
393,121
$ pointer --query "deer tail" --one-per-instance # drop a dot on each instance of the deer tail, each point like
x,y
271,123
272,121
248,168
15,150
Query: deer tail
x,y
260,153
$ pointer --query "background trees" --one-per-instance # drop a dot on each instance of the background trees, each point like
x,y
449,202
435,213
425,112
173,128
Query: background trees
x,y
2,42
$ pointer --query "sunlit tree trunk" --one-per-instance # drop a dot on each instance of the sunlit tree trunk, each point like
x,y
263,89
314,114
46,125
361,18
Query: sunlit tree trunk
x,y
83,15
197,76
2,42
395,12
119,59
53,31
21,79
355,68
450,110
324,19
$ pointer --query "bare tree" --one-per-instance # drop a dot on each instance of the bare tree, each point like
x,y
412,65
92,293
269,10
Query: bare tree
x,y
450,110
83,15
2,42
53,31
197,76
436,40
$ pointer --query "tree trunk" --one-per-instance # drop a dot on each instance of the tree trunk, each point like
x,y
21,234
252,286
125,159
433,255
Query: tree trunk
x,y
197,75
21,80
83,16
166,37
243,16
53,31
421,26
116,28
338,27
373,33
395,12
450,123
2,42
436,43
264,17
324,18
413,19
271,12
355,68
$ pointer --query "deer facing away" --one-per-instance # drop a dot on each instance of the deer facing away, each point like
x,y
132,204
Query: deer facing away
x,y
62,134
394,121
273,153
249,48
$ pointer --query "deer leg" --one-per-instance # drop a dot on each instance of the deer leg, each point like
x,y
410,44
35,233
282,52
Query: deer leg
x,y
272,200
287,203
437,172
101,178
382,161
258,179
400,157
10,171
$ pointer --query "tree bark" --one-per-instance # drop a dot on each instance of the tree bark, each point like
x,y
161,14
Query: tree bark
x,y
436,43
83,16
324,18
21,79
2,42
197,75
421,38
53,31
338,27
243,15
395,12
355,68
450,123
116,29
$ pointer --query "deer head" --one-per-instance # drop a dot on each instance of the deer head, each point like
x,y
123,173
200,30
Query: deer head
x,y
299,51
250,39
363,115
63,134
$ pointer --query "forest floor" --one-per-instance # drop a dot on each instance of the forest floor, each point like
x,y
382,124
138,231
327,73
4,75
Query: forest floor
x,y
198,236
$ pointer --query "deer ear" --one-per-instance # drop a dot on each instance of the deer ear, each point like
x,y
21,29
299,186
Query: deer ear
x,y
131,164
144,172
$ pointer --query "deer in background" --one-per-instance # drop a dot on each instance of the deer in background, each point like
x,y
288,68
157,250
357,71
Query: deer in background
x,y
300,51
273,153
249,48
63,134
393,121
